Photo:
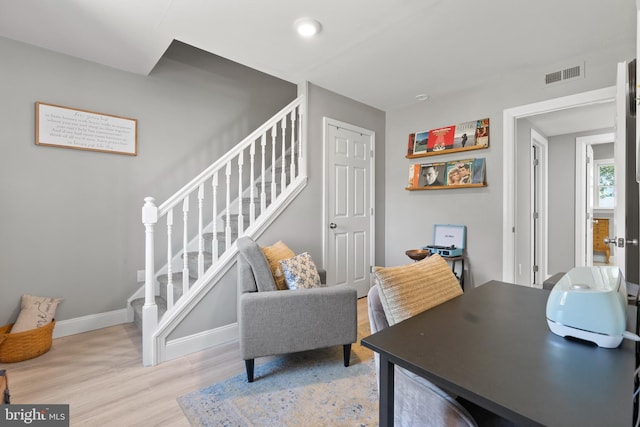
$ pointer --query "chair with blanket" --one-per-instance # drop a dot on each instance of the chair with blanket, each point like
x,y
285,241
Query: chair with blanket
x,y
402,292
274,320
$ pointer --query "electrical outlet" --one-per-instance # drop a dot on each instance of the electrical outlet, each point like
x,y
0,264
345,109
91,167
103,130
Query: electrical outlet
x,y
141,276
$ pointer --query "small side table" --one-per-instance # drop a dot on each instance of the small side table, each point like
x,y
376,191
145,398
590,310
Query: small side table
x,y
454,260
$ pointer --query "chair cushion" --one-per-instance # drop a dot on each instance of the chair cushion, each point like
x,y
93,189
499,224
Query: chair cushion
x,y
274,254
410,289
300,272
35,312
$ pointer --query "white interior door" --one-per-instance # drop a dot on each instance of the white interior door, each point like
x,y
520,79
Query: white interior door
x,y
620,146
349,201
589,192
539,208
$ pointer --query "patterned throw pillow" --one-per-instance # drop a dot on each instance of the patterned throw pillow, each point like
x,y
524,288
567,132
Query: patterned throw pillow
x,y
274,254
407,290
35,312
300,272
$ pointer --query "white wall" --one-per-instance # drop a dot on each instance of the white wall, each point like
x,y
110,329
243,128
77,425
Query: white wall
x,y
410,215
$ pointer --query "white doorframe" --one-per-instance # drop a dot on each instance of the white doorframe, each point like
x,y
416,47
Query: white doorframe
x,y
581,184
541,237
510,116
326,122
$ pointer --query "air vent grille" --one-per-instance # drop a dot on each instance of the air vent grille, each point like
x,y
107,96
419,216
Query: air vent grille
x,y
564,74
553,77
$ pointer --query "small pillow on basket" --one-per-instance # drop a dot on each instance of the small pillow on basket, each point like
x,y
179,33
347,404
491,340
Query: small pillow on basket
x,y
35,312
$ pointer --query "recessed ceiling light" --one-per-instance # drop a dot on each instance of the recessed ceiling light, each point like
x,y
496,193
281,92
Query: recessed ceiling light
x,y
307,27
422,97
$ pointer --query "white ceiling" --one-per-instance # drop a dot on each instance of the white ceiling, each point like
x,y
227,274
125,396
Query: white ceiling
x,y
578,119
380,52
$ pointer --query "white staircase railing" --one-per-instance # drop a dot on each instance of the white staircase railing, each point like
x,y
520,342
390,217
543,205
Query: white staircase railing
x,y
232,197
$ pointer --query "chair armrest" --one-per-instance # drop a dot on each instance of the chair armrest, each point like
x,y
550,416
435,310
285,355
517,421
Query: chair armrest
x,y
296,320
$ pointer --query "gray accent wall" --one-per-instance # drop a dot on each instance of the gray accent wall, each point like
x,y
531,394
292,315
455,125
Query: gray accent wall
x,y
70,222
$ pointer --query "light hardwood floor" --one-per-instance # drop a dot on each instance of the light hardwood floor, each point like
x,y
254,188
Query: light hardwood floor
x,y
100,375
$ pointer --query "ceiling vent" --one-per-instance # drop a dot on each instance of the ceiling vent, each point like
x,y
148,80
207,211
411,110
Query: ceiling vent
x,y
564,75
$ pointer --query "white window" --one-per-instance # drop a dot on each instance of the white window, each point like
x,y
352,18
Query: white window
x,y
605,176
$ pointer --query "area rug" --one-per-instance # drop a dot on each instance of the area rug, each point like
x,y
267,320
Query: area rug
x,y
301,389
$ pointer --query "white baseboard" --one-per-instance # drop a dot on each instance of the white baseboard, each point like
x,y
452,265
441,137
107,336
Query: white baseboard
x,y
201,341
88,323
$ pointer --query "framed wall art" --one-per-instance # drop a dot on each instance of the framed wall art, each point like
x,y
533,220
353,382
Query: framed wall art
x,y
65,127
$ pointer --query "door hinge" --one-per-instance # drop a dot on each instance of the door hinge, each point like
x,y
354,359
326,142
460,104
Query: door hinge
x,y
535,268
536,215
536,162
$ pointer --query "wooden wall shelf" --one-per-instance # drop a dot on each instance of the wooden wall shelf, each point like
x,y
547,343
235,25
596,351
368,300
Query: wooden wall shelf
x,y
445,187
448,151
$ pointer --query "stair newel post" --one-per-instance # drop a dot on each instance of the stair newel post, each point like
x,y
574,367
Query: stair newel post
x,y
292,169
283,172
185,242
227,227
274,132
240,214
263,172
200,230
169,258
214,242
149,309
252,180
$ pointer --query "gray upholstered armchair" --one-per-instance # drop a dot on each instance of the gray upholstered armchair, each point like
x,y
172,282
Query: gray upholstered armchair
x,y
275,321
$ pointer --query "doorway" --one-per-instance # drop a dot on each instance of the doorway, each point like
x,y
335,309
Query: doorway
x,y
589,213
349,197
514,173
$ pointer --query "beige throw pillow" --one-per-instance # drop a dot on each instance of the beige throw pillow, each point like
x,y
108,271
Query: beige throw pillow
x,y
274,254
410,289
35,312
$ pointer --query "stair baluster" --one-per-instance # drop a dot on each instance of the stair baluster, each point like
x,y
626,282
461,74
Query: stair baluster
x,y
274,134
169,257
292,168
185,243
240,190
283,172
252,180
214,224
227,228
200,230
263,173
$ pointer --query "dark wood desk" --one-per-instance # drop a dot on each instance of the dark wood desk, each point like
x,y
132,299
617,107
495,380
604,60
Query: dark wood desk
x,y
492,346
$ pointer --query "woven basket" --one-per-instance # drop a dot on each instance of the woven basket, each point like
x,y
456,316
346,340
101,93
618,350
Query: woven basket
x,y
25,345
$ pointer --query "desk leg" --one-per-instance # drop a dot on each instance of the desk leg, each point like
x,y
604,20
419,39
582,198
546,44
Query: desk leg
x,y
386,392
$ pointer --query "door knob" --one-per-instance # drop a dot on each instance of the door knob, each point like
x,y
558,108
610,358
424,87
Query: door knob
x,y
332,225
620,241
